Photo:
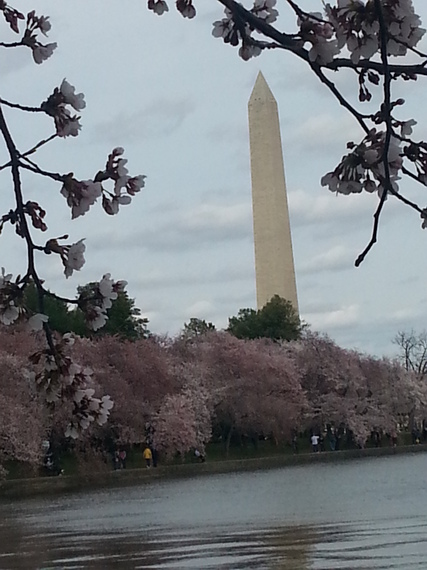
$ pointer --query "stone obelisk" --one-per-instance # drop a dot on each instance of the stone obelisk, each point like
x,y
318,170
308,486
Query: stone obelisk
x,y
274,262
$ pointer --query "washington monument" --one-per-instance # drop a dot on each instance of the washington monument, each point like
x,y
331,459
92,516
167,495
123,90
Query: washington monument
x,y
274,262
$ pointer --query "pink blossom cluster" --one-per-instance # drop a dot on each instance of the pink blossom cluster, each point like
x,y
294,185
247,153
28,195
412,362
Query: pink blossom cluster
x,y
61,377
82,194
233,32
353,24
125,186
72,256
95,300
88,409
9,311
321,36
11,15
34,25
363,168
185,7
357,27
66,123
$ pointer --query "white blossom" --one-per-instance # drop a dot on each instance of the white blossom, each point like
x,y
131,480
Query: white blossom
x,y
75,258
99,319
69,339
76,100
41,53
71,431
247,51
5,278
406,127
44,24
69,126
80,195
36,321
107,291
9,313
158,6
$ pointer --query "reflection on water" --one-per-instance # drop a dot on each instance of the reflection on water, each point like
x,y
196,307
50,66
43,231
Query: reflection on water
x,y
367,514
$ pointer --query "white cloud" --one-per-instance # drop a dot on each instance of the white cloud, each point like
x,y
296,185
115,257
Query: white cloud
x,y
325,207
158,118
341,318
324,133
336,258
203,225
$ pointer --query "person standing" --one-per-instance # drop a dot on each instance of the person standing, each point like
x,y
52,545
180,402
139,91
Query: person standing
x,y
315,442
122,458
147,455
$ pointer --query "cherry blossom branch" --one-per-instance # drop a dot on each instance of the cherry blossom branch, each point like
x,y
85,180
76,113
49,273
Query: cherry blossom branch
x,y
39,145
374,235
367,64
24,230
406,201
287,41
20,107
59,298
11,44
386,109
37,170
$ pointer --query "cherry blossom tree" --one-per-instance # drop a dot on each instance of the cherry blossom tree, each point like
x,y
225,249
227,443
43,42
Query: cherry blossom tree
x,y
57,374
363,393
138,377
23,419
378,41
254,386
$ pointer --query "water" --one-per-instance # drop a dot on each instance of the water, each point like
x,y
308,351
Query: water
x,y
361,514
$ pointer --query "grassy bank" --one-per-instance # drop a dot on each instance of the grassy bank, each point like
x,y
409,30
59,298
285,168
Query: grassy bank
x,y
22,488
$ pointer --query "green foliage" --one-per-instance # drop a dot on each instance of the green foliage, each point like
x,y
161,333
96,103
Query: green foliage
x,y
59,315
277,320
124,319
197,327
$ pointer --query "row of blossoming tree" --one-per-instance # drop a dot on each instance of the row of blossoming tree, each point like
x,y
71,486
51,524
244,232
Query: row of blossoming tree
x,y
188,389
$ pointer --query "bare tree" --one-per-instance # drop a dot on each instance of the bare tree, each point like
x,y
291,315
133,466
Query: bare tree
x,y
413,351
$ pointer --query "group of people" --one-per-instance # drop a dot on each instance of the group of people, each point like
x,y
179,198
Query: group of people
x,y
318,442
149,455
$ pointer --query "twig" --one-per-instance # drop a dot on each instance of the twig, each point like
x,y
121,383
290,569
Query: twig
x,y
35,168
38,145
386,106
21,107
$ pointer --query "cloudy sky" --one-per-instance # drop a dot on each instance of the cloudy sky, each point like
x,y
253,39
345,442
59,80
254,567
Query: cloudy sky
x,y
176,99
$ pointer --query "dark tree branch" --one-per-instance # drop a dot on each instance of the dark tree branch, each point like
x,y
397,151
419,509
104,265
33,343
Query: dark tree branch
x,y
21,107
24,229
35,168
38,145
386,110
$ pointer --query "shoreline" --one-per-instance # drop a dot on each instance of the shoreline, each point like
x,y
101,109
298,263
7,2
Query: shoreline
x,y
25,488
